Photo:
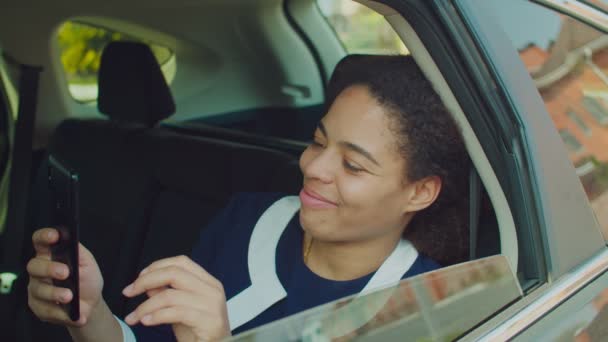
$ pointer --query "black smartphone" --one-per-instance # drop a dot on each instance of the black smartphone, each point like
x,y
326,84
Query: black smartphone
x,y
64,191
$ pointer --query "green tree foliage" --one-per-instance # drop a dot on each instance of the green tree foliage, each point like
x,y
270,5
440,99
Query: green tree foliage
x,y
362,30
81,46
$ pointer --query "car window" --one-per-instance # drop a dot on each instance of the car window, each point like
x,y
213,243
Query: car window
x,y
568,61
360,29
426,307
80,47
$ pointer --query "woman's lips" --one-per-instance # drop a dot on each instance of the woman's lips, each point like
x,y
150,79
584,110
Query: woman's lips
x,y
312,200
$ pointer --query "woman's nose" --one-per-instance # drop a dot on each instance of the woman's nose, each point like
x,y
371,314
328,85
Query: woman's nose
x,y
320,167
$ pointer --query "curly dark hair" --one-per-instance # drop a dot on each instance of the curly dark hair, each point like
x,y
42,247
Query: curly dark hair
x,y
428,139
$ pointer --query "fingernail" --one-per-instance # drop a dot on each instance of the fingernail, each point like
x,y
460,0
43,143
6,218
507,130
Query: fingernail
x,y
146,319
49,235
130,319
128,289
59,271
64,297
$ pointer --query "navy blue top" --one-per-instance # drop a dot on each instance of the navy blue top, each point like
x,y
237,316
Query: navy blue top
x,y
223,248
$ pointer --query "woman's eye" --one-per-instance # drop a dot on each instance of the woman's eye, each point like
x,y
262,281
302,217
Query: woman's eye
x,y
351,167
316,143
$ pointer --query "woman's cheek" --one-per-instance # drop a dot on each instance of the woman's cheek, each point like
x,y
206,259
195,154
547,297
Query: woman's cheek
x,y
355,192
305,158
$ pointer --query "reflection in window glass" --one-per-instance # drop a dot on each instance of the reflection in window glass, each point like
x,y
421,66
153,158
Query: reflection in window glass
x,y
596,109
586,323
360,29
80,48
568,61
600,4
579,122
571,143
427,307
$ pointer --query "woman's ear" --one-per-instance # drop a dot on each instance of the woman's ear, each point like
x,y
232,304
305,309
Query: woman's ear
x,y
423,193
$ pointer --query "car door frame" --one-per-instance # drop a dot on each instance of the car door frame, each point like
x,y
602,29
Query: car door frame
x,y
568,273
456,57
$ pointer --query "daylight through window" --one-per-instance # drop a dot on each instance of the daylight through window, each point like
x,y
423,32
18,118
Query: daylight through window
x,y
80,48
360,29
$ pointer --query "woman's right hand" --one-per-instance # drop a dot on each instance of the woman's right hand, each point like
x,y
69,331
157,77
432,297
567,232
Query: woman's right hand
x,y
44,298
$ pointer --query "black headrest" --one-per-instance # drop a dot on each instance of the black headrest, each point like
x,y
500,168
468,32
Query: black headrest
x,y
132,88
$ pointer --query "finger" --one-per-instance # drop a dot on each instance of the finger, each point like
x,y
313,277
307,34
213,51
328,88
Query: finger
x,y
44,268
164,299
154,292
174,315
49,293
186,263
213,327
43,239
84,255
50,312
171,276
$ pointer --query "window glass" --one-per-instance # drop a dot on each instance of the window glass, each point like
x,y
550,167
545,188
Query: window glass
x,y
599,4
360,29
591,320
427,307
80,47
575,320
570,141
568,61
579,122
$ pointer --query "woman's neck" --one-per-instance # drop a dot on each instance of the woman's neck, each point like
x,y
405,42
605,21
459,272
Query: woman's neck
x,y
347,260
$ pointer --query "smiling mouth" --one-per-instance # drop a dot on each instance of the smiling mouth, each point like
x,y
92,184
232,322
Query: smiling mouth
x,y
313,200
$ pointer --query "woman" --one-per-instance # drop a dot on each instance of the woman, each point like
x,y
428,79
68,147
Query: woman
x,y
383,198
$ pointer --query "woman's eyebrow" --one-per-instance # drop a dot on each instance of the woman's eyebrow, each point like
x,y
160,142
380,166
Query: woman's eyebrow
x,y
358,149
353,147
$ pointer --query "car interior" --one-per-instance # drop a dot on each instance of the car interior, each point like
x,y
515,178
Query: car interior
x,y
162,148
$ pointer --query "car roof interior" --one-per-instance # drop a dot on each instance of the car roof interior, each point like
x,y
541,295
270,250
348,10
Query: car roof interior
x,y
241,57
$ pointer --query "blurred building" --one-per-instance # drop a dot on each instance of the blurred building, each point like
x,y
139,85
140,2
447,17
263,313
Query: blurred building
x,y
572,77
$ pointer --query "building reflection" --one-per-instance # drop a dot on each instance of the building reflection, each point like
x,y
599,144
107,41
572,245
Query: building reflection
x,y
572,78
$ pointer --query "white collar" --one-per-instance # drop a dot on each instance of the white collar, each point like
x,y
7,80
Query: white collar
x,y
266,288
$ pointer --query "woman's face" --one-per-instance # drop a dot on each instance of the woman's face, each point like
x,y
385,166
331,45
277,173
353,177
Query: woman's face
x,y
354,176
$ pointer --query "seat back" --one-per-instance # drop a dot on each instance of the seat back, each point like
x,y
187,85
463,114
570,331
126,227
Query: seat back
x,y
109,155
147,191
193,180
109,158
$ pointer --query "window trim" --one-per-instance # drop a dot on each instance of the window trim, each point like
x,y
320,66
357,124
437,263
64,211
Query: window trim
x,y
561,290
307,41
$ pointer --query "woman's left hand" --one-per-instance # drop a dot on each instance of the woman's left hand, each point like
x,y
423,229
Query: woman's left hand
x,y
183,294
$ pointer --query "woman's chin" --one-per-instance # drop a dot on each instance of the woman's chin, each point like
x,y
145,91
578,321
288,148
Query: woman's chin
x,y
318,224
311,220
